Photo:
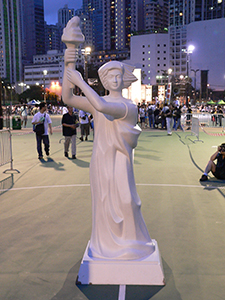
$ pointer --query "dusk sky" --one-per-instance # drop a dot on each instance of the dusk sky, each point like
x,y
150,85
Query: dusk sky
x,y
51,8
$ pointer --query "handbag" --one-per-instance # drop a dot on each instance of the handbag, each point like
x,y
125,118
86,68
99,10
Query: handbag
x,y
39,128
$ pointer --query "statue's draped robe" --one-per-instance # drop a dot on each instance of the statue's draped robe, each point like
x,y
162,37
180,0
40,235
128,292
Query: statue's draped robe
x,y
118,228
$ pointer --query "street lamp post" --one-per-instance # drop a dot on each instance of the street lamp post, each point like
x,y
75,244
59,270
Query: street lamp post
x,y
188,52
86,52
11,93
45,72
195,71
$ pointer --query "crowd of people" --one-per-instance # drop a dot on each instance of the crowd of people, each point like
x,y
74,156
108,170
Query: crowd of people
x,y
31,110
168,116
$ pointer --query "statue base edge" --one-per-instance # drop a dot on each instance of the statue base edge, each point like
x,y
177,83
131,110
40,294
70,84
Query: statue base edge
x,y
147,271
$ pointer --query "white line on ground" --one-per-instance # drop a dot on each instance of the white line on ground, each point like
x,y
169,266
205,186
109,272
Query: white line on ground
x,y
138,184
122,292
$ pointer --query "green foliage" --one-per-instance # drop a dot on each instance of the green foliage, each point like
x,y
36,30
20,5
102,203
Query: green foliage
x,y
34,92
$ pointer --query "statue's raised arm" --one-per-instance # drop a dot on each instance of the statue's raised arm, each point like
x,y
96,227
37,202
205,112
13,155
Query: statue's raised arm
x,y
111,74
112,78
72,37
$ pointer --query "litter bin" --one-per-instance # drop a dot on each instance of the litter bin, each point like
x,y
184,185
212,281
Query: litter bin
x,y
16,122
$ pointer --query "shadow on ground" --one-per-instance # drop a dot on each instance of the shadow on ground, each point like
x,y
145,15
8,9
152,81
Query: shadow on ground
x,y
50,163
71,291
6,184
214,184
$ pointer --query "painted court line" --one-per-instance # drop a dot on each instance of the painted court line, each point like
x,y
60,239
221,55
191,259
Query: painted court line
x,y
122,292
138,184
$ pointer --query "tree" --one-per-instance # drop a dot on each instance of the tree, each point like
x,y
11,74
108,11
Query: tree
x,y
34,92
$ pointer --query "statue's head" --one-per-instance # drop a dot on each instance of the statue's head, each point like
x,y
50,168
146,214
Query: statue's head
x,y
124,69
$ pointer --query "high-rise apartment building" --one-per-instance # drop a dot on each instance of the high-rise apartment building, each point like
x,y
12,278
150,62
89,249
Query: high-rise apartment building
x,y
113,22
156,15
64,15
201,10
87,29
181,14
34,33
92,10
120,19
10,41
52,37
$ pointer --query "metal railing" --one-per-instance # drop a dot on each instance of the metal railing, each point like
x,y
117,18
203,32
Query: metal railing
x,y
205,119
6,149
195,128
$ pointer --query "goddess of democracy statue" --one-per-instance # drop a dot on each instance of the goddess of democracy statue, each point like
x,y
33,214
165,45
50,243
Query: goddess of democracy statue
x,y
118,229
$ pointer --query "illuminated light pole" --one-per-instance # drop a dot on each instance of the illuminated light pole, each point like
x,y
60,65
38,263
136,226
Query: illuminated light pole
x,y
22,85
45,72
188,52
195,71
86,52
11,93
207,92
169,86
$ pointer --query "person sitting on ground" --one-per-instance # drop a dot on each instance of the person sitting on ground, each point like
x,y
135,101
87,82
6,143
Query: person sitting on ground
x,y
218,169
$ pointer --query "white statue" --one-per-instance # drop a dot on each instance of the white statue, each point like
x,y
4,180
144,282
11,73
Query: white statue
x,y
118,229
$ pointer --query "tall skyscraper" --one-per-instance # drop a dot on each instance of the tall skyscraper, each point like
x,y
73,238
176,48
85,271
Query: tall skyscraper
x,y
52,37
120,19
93,10
113,22
156,14
181,14
10,41
64,15
34,33
201,10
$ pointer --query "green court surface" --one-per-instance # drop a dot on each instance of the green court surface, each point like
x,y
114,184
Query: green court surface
x,y
45,219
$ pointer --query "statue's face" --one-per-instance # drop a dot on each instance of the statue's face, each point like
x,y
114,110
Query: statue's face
x,y
114,80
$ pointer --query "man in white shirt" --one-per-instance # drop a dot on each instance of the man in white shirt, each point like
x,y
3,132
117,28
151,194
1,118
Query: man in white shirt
x,y
84,125
43,117
23,112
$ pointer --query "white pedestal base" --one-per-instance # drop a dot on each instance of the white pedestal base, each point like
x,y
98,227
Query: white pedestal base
x,y
147,271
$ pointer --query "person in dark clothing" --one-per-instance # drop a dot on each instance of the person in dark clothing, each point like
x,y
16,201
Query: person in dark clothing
x,y
69,124
218,169
157,116
189,117
220,115
177,113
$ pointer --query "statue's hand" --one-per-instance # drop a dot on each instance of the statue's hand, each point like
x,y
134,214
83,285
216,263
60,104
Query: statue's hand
x,y
74,76
70,56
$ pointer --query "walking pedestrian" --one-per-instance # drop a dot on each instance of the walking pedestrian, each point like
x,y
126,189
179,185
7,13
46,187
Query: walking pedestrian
x,y
43,117
84,125
69,125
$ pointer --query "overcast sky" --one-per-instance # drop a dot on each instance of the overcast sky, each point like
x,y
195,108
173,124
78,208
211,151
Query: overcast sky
x,y
51,8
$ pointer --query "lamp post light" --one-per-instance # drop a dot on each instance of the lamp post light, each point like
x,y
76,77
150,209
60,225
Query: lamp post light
x,y
45,72
86,52
207,92
169,87
11,93
188,52
22,86
195,71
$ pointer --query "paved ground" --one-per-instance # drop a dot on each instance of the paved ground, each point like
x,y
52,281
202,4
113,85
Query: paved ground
x,y
45,219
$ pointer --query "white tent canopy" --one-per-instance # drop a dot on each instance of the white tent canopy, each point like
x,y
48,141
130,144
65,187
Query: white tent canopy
x,y
33,102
